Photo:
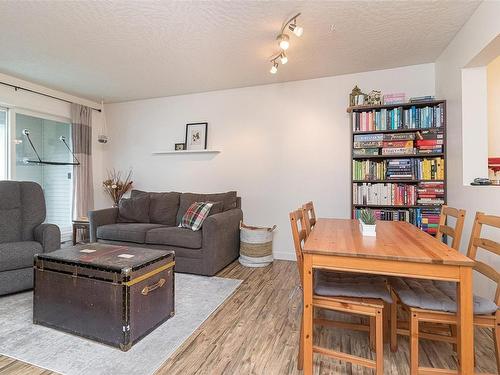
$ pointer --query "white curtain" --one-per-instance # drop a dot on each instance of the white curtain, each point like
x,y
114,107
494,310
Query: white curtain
x,y
81,134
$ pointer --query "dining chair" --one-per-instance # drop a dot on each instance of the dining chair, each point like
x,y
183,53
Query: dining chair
x,y
309,216
436,302
444,228
343,293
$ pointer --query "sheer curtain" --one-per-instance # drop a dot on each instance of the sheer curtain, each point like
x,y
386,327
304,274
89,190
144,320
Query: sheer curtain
x,y
81,134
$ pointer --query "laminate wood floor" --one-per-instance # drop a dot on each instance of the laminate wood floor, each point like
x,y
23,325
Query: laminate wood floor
x,y
256,331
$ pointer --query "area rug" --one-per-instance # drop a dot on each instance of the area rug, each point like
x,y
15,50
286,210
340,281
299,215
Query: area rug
x,y
196,298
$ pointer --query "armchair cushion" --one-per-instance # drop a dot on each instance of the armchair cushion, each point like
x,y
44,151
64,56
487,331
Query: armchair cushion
x,y
10,225
175,236
127,232
16,255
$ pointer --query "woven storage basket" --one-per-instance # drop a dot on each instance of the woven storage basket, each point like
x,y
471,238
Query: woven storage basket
x,y
256,245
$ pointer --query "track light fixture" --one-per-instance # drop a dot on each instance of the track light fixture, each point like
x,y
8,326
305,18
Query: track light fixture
x,y
284,41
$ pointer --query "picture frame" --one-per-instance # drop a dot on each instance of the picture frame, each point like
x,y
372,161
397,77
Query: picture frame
x,y
180,146
196,136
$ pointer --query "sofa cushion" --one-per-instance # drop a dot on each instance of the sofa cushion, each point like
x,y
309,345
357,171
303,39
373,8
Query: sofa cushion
x,y
187,199
134,210
16,255
175,236
195,215
163,207
128,232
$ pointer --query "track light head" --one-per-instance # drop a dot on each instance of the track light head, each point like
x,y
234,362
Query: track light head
x,y
284,41
274,68
283,58
26,132
297,30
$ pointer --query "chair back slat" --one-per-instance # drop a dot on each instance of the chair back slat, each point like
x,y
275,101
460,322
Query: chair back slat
x,y
476,242
445,229
299,237
309,216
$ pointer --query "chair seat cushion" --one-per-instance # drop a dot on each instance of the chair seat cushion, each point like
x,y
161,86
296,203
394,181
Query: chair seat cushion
x,y
16,255
175,236
128,232
337,284
436,295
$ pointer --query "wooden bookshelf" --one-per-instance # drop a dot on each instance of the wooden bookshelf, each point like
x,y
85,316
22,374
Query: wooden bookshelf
x,y
380,158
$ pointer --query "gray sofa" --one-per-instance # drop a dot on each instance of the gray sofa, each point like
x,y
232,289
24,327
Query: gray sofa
x,y
22,234
202,252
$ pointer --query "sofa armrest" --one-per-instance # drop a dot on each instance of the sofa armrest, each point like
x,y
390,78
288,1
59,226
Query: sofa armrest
x,y
221,239
49,235
101,217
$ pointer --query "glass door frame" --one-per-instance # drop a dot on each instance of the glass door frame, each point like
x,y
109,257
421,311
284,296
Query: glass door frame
x,y
12,112
7,142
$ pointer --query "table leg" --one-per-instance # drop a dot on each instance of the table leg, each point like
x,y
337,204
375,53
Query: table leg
x,y
465,321
74,235
307,333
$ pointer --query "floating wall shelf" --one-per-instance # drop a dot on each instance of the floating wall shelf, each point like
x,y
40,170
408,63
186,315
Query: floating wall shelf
x,y
186,152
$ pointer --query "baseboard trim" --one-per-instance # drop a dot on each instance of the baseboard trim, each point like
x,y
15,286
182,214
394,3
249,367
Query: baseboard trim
x,y
284,255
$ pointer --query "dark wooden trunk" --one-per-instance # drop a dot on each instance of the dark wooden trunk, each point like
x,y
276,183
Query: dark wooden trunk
x,y
101,296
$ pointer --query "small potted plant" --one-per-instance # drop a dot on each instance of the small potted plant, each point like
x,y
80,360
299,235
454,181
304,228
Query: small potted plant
x,y
367,223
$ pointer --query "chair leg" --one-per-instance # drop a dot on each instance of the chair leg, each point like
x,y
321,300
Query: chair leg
x,y
300,357
379,343
413,343
372,332
387,318
496,339
394,326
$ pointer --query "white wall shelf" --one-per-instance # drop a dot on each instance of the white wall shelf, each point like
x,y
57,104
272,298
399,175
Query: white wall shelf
x,y
187,152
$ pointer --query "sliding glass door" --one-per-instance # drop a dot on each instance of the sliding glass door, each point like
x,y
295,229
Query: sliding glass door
x,y
56,180
4,150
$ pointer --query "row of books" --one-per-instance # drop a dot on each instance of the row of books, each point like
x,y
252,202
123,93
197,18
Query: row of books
x,y
426,218
421,142
410,169
384,194
430,193
399,118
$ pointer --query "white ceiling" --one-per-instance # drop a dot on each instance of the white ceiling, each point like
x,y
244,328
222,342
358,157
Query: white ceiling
x,y
126,50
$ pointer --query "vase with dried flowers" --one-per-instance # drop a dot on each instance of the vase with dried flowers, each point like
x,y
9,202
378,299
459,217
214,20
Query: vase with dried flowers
x,y
115,186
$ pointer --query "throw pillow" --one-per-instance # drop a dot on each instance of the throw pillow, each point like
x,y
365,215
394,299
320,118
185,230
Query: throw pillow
x,y
196,215
134,210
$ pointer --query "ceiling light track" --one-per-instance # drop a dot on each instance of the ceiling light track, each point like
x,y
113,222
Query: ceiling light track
x,y
284,42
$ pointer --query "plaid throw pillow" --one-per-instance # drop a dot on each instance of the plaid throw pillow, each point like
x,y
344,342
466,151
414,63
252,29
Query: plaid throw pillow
x,y
196,215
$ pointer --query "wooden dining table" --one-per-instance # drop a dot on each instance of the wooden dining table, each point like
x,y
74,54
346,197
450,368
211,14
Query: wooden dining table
x,y
398,249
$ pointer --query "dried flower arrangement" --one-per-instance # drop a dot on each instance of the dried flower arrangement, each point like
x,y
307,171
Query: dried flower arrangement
x,y
115,186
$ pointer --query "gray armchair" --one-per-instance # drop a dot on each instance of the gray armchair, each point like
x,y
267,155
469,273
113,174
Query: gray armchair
x,y
22,234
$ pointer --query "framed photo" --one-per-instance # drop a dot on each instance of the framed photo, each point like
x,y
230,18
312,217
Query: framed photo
x,y
196,136
180,146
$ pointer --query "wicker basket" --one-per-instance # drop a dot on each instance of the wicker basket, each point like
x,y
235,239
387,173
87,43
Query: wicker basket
x,y
256,245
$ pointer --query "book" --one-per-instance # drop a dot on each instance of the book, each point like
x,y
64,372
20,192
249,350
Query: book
x,y
426,98
367,144
365,151
399,144
399,137
398,151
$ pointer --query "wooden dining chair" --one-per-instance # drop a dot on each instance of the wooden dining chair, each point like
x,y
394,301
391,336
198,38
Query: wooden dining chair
x,y
338,294
423,306
309,216
444,228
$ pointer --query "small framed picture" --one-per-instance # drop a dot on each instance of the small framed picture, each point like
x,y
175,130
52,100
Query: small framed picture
x,y
180,146
196,136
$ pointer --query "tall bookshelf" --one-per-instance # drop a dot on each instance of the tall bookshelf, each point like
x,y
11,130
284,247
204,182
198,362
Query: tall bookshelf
x,y
417,196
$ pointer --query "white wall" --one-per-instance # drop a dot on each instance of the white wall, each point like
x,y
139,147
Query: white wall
x,y
282,144
26,101
475,35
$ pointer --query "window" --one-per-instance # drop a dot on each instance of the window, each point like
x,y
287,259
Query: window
x,y
3,144
56,180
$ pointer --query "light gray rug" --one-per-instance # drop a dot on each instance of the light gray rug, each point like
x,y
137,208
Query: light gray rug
x,y
196,298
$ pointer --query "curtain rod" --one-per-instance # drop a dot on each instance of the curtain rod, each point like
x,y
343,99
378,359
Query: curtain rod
x,y
15,87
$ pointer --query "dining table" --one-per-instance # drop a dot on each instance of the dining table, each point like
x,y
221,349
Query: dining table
x,y
398,249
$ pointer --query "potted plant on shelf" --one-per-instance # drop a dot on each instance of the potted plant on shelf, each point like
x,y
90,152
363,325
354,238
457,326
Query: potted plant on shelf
x,y
367,223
